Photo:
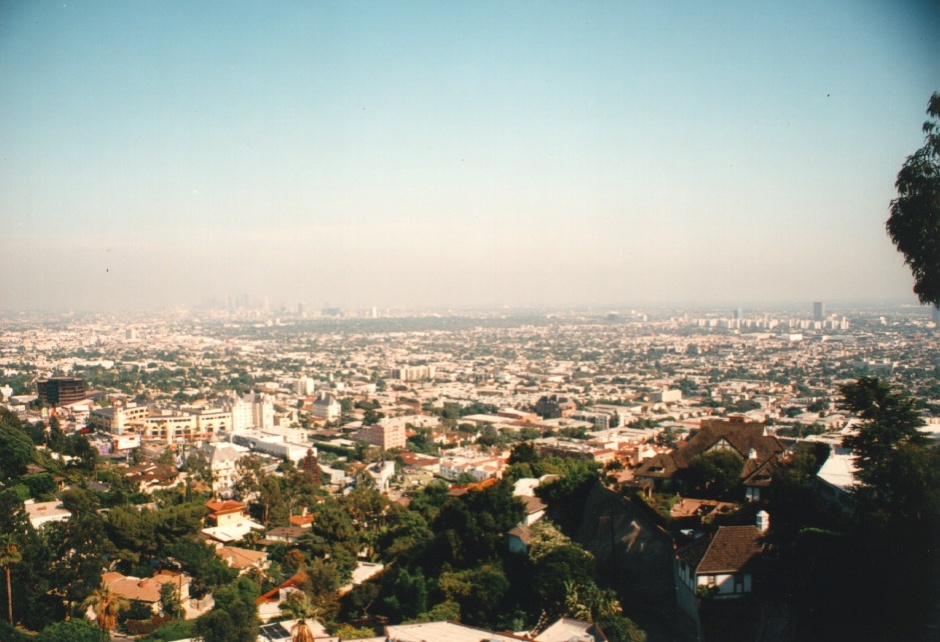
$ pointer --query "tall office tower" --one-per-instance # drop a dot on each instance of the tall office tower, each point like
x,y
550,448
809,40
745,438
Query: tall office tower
x,y
59,391
738,314
819,310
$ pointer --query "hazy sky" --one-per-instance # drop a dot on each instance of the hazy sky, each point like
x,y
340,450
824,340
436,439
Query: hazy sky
x,y
456,153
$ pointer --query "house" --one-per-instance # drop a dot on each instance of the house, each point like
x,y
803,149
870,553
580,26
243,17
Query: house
x,y
762,453
228,522
382,472
363,572
242,559
286,534
444,632
269,603
570,630
534,509
41,513
152,476
147,590
518,539
225,513
835,479
564,630
726,562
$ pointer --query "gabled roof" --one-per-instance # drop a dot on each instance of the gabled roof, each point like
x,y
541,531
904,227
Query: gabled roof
x,y
224,507
444,632
241,558
533,504
758,473
295,581
839,469
746,438
731,549
567,629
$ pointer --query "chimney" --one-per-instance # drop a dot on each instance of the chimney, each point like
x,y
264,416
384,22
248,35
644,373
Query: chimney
x,y
752,454
763,521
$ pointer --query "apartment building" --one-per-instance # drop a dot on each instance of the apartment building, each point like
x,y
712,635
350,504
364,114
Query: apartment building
x,y
385,436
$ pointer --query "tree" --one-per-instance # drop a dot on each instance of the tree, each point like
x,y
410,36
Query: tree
x,y
897,499
717,472
523,453
566,563
106,605
16,450
914,223
894,464
298,606
72,631
9,555
170,602
249,472
235,615
77,549
16,532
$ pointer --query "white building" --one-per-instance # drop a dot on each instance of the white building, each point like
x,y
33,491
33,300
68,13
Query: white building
x,y
251,411
327,407
117,419
222,457
303,386
382,472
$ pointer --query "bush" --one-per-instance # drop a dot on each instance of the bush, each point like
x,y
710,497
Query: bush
x,y
72,631
7,632
175,630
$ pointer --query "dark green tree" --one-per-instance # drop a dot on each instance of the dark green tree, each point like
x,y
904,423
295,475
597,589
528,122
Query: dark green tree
x,y
16,450
198,558
170,601
716,473
73,631
235,615
914,223
77,549
897,472
523,453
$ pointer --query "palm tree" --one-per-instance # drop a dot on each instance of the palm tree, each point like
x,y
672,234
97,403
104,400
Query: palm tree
x,y
9,555
298,605
106,604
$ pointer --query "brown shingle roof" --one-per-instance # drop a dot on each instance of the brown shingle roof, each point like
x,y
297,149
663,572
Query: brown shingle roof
x,y
742,436
732,549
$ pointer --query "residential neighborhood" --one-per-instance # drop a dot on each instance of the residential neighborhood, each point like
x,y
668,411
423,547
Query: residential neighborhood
x,y
317,461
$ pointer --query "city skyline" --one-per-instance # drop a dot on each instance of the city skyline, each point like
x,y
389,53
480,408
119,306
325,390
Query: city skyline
x,y
421,155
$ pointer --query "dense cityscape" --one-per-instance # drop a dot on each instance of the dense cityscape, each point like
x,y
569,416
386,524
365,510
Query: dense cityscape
x,y
540,474
480,321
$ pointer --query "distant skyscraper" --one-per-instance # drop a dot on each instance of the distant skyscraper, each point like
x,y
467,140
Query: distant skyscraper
x,y
738,314
819,310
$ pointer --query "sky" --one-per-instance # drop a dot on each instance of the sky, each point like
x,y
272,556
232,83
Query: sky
x,y
456,154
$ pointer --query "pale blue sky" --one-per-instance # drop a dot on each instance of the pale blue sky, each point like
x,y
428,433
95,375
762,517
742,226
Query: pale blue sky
x,y
456,154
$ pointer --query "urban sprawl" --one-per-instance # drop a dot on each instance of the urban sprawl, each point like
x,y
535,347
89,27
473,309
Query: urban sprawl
x,y
511,475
